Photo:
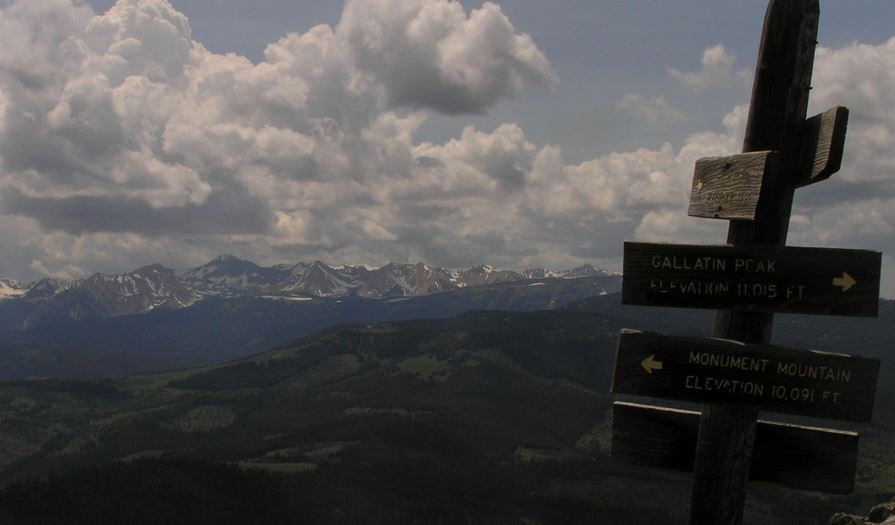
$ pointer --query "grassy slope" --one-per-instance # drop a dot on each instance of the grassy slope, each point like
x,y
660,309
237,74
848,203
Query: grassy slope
x,y
502,414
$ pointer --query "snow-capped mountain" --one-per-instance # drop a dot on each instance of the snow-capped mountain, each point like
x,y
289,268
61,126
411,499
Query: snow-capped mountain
x,y
485,274
156,287
46,289
229,276
10,288
540,273
316,280
102,295
405,280
586,270
392,280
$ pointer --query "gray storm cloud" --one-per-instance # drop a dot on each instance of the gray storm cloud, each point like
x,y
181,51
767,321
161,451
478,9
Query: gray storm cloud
x,y
123,137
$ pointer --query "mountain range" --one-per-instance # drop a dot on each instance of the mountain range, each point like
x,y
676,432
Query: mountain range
x,y
154,319
156,287
389,408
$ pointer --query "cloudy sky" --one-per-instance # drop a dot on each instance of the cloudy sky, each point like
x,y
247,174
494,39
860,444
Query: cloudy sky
x,y
524,133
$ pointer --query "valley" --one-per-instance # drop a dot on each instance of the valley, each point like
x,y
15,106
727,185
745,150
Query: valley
x,y
498,415
154,320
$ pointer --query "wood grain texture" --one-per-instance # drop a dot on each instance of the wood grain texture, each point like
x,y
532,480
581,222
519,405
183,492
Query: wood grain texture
x,y
805,458
776,116
729,187
770,378
823,145
753,278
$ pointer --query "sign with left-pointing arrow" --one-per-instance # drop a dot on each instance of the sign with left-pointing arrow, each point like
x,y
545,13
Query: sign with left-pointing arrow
x,y
773,378
756,278
649,364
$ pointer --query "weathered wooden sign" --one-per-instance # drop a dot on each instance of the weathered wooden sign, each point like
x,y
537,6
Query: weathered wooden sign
x,y
823,144
748,280
805,458
756,278
729,187
772,378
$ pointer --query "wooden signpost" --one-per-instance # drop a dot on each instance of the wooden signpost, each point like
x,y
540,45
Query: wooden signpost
x,y
758,278
737,372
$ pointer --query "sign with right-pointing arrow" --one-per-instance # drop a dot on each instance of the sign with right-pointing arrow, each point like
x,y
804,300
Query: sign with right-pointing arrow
x,y
755,278
845,282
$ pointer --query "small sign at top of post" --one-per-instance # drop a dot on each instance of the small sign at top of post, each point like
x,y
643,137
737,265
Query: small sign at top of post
x,y
729,187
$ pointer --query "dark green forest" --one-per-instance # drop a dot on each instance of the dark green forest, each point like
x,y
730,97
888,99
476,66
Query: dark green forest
x,y
489,417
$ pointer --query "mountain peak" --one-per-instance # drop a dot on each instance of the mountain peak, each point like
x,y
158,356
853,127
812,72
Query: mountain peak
x,y
587,270
229,276
11,283
153,268
226,257
11,288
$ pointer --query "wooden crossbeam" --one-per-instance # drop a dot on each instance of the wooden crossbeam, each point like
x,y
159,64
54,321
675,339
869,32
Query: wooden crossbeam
x,y
823,145
799,457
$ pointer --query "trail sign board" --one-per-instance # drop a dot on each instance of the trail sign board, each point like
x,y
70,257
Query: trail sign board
x,y
755,278
799,457
772,378
729,187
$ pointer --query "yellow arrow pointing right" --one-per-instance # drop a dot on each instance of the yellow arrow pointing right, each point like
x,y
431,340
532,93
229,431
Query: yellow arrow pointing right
x,y
845,282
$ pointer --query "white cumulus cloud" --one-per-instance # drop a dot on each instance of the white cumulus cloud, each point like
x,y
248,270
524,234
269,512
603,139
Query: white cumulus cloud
x,y
655,110
434,55
125,141
717,71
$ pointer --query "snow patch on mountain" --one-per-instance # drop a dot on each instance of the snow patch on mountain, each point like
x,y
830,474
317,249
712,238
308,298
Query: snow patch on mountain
x,y
103,295
11,288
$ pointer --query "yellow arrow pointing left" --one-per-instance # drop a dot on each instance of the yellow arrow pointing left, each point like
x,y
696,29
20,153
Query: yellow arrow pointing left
x,y
649,364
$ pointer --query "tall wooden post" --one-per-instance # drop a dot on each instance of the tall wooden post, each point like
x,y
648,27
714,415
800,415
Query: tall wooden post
x,y
776,120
